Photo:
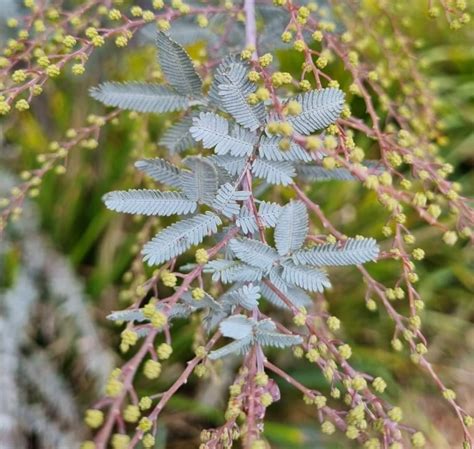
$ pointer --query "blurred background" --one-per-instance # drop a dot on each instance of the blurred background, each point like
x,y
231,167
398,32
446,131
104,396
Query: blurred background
x,y
64,264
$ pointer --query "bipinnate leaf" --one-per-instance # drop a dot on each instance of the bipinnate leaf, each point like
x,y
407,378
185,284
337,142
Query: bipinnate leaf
x,y
228,271
199,184
139,97
179,237
267,214
350,252
247,331
177,66
308,278
149,202
246,296
233,88
161,170
320,108
254,253
236,327
292,227
177,137
271,148
214,132
226,199
274,172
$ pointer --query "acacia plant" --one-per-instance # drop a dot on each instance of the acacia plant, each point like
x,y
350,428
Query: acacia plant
x,y
247,148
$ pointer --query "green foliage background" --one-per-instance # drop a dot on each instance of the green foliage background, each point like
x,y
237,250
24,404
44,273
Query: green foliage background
x,y
101,244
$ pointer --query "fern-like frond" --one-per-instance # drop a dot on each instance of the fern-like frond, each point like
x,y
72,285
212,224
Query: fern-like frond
x,y
349,252
318,173
178,311
228,271
297,297
237,327
238,347
271,148
223,175
127,315
207,302
234,88
177,66
177,137
136,315
200,184
313,172
278,173
277,340
246,296
221,69
308,278
161,170
213,131
179,237
139,97
275,277
149,202
245,138
268,214
226,199
320,108
254,253
292,227
233,165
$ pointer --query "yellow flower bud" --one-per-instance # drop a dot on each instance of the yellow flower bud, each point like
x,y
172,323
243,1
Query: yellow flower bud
x,y
120,441
450,238
418,439
286,37
131,413
145,403
164,351
395,414
198,294
329,163
152,369
94,418
293,108
265,60
22,105
263,93
345,351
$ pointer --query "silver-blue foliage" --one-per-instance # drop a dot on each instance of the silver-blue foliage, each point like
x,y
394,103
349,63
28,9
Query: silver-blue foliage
x,y
201,183
161,170
234,88
177,138
267,216
226,199
177,66
214,132
235,140
140,97
292,227
349,252
149,202
246,331
320,108
179,237
274,172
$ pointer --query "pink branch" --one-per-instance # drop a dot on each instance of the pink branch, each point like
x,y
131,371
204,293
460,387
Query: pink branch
x,y
250,24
